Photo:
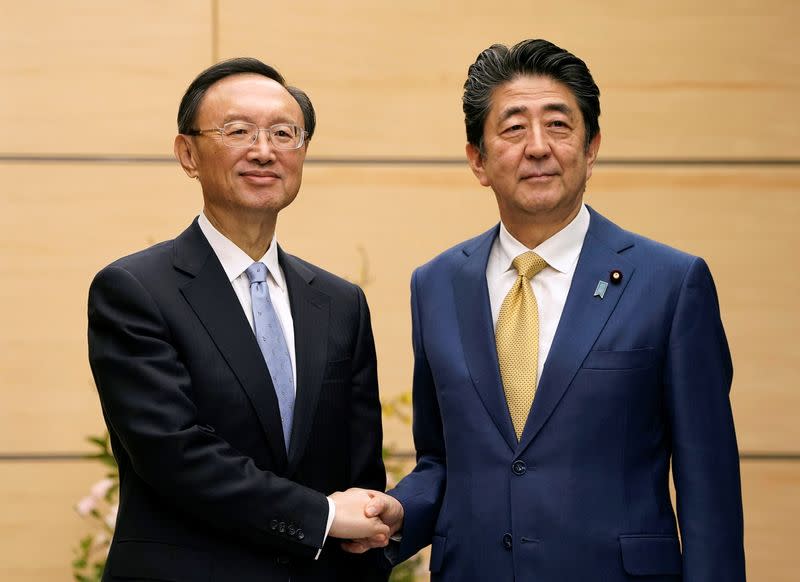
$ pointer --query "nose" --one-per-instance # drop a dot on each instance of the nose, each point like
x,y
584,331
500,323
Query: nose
x,y
262,150
536,144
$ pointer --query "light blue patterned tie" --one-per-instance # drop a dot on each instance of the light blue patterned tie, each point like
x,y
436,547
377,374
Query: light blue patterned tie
x,y
273,345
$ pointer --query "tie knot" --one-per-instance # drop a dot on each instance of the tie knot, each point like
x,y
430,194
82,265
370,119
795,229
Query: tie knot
x,y
528,264
257,273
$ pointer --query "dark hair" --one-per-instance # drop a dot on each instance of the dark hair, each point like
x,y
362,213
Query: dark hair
x,y
187,111
498,64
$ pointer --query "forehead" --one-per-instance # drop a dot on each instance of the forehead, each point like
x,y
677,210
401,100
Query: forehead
x,y
532,94
248,97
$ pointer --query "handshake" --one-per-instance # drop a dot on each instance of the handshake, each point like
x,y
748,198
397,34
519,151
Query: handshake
x,y
365,519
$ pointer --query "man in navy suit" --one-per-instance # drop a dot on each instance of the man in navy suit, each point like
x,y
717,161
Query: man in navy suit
x,y
234,447
631,370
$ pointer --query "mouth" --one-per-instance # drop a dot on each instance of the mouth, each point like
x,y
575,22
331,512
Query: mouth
x,y
260,176
537,177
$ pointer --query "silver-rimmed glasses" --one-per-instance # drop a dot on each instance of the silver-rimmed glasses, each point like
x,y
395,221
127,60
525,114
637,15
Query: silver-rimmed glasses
x,y
242,134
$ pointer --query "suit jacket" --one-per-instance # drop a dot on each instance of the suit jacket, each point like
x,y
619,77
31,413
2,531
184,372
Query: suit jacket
x,y
634,380
207,490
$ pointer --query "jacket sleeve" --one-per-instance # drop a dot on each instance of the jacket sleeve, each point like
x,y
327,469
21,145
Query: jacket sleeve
x,y
366,433
147,399
366,436
422,491
705,462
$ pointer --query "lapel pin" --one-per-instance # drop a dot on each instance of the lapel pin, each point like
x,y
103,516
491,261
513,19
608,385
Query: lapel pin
x,y
616,276
600,290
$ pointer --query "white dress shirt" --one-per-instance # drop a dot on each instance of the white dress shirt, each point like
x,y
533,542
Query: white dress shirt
x,y
550,286
235,263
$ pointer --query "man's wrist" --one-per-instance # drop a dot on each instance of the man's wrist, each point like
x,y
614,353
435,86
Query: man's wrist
x,y
331,517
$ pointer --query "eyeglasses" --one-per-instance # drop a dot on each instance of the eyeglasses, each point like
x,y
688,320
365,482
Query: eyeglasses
x,y
241,134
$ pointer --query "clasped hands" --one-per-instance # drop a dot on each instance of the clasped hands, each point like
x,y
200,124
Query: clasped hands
x,y
365,519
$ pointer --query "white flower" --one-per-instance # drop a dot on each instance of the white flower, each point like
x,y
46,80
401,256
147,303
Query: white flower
x,y
100,488
86,505
100,540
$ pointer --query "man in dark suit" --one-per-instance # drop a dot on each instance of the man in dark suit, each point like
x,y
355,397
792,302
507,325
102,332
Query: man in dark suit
x,y
228,441
561,364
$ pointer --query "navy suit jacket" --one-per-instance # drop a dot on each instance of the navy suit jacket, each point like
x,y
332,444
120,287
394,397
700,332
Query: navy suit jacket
x,y
207,490
634,380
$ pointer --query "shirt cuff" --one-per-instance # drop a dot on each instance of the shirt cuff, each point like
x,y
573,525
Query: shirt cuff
x,y
331,515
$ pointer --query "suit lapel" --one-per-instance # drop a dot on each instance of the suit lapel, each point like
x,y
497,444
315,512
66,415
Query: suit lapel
x,y
477,338
211,297
583,318
310,313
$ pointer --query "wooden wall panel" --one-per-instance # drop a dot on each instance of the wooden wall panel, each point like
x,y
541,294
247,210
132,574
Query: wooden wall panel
x,y
771,520
40,528
58,227
38,523
94,77
678,79
78,218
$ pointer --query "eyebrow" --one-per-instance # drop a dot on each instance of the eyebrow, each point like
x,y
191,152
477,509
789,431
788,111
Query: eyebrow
x,y
517,109
512,111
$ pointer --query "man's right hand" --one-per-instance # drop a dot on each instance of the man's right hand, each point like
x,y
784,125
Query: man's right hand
x,y
391,513
351,520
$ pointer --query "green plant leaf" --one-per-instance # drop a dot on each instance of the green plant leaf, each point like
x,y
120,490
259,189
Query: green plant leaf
x,y
99,441
108,460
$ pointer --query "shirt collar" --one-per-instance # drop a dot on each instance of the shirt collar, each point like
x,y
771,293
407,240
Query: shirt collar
x,y
233,259
561,251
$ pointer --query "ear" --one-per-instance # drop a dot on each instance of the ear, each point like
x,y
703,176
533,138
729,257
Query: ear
x,y
591,155
475,158
184,152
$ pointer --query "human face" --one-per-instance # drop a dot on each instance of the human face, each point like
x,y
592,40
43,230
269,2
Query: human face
x,y
534,155
244,183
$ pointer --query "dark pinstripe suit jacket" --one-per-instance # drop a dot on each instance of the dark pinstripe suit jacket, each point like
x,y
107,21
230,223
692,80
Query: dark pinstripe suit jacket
x,y
208,491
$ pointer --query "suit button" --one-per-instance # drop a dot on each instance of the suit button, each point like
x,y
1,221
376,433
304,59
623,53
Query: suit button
x,y
273,524
518,467
283,560
300,534
507,541
281,527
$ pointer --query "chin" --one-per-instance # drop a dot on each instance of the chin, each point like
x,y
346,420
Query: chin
x,y
540,202
266,197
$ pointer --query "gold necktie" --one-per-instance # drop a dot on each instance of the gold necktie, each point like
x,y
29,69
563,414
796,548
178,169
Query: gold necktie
x,y
517,337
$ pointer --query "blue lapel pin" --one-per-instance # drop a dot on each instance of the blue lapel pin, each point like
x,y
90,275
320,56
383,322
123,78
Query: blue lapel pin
x,y
600,290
